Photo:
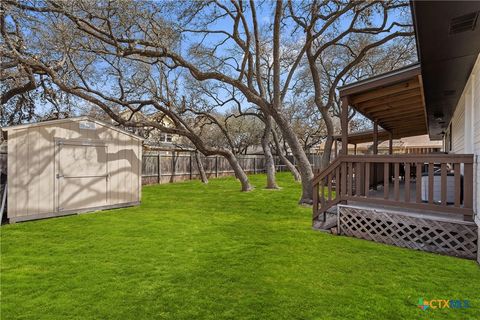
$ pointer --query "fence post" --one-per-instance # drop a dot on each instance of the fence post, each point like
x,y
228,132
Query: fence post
x,y
172,174
190,166
159,169
216,166
254,165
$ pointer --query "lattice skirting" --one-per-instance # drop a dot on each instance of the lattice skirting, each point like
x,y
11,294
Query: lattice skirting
x,y
458,239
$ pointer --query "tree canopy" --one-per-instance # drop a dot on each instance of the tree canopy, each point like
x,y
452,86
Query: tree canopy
x,y
227,74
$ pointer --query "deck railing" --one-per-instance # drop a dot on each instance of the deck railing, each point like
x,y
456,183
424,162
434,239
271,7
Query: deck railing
x,y
433,182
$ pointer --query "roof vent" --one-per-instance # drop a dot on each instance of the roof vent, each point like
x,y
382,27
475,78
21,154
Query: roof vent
x,y
463,23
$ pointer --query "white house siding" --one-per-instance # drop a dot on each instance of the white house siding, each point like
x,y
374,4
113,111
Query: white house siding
x,y
466,129
476,135
458,127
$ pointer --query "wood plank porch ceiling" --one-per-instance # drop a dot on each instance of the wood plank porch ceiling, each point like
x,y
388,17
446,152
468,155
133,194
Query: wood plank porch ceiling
x,y
394,100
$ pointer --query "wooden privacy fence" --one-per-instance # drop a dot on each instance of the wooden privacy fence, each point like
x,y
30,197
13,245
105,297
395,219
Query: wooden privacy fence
x,y
436,182
165,168
3,175
180,166
3,170
3,162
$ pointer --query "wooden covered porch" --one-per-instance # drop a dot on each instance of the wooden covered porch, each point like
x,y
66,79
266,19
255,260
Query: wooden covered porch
x,y
436,185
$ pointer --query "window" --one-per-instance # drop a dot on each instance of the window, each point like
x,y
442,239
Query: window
x,y
166,137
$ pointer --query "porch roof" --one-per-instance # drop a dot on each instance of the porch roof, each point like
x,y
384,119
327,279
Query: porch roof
x,y
393,100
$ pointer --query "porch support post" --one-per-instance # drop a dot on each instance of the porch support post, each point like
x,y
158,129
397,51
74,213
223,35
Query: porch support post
x,y
390,143
375,151
355,149
336,148
375,137
390,150
344,124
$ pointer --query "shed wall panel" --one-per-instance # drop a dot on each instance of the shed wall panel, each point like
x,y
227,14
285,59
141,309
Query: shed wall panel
x,y
33,182
21,188
114,165
46,170
12,172
125,168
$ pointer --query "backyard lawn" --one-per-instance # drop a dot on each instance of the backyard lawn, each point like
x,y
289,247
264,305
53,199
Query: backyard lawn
x,y
194,251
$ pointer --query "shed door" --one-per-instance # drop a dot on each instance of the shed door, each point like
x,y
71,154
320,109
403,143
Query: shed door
x,y
82,175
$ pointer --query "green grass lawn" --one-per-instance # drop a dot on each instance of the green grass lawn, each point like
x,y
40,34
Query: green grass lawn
x,y
194,251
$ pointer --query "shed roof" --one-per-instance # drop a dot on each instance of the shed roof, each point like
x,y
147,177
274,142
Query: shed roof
x,y
76,119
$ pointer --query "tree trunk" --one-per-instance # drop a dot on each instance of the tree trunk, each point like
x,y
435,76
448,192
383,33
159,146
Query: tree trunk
x,y
290,166
327,149
304,167
324,110
267,153
201,170
239,173
284,124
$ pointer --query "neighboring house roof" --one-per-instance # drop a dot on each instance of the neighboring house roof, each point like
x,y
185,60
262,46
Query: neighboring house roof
x,y
364,136
154,116
416,142
81,118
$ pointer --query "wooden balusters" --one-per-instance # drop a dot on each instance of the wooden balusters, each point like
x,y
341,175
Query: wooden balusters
x,y
418,183
396,183
443,185
358,179
458,186
315,201
329,183
367,178
322,193
337,183
344,179
407,182
350,177
430,183
468,185
386,180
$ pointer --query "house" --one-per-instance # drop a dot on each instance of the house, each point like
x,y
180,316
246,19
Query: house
x,y
422,201
154,138
360,143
